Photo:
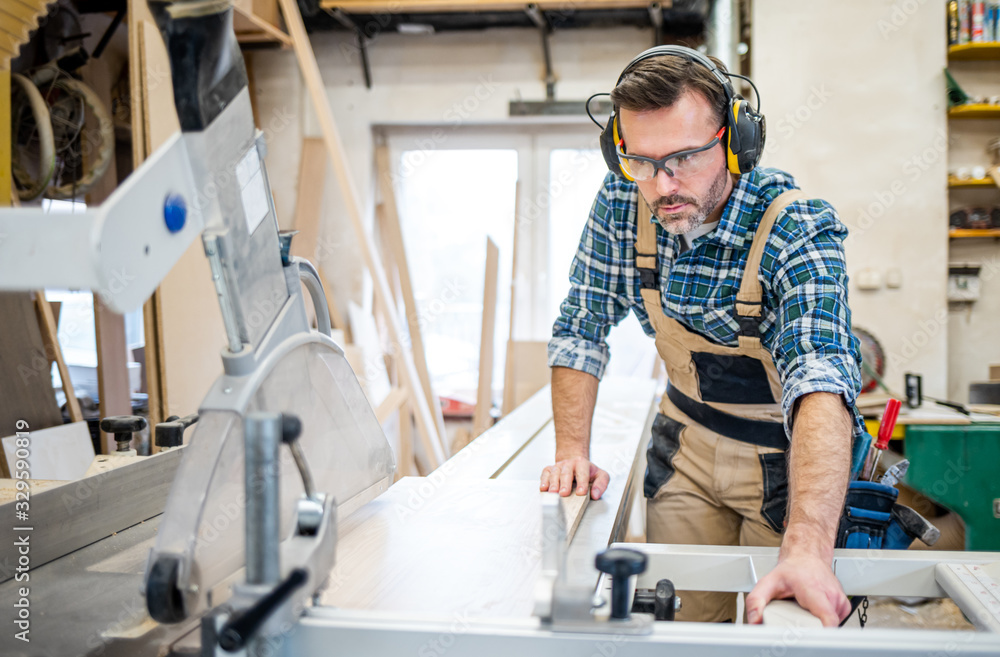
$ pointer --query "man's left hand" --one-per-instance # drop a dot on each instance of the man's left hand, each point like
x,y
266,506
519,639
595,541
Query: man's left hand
x,y
809,580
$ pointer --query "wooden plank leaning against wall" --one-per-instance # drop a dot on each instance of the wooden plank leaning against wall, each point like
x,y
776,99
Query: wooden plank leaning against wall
x,y
114,389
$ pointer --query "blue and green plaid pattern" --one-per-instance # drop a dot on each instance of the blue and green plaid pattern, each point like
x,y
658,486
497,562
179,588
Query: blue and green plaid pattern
x,y
806,322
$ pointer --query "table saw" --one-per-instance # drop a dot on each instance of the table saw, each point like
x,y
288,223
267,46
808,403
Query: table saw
x,y
275,530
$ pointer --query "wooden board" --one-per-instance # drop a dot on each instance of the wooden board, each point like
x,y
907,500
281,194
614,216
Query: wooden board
x,y
8,488
50,338
5,140
60,453
430,438
78,513
472,548
526,373
308,220
26,391
481,420
114,387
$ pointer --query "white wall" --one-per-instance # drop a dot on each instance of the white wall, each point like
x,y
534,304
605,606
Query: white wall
x,y
854,96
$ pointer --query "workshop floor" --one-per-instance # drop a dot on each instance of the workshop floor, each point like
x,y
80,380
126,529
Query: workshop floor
x,y
932,614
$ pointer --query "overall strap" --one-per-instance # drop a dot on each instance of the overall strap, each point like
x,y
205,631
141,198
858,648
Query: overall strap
x,y
645,247
749,298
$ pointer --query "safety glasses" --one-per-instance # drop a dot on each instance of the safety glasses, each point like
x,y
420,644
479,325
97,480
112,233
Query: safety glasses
x,y
681,164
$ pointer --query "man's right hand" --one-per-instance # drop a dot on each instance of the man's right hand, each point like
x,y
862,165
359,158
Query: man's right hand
x,y
561,476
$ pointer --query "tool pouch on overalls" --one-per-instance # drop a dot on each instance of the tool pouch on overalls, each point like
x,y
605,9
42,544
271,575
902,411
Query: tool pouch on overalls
x,y
867,516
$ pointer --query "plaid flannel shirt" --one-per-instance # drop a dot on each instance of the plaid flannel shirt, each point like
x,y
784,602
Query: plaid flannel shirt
x,y
806,322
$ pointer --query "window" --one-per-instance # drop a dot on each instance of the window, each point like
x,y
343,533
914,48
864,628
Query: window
x,y
463,188
450,199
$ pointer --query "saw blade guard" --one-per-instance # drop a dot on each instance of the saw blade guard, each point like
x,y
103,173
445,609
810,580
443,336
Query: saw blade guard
x,y
200,548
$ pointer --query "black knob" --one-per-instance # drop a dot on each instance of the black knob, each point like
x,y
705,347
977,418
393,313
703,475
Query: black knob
x,y
123,426
171,432
621,564
665,600
291,428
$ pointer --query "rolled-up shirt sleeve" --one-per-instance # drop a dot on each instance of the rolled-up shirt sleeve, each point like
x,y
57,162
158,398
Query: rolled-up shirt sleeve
x,y
814,348
597,298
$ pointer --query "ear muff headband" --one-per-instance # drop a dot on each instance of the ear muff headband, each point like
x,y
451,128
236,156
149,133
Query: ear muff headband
x,y
745,126
621,165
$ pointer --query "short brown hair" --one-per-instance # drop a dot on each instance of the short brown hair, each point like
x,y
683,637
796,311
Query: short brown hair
x,y
659,82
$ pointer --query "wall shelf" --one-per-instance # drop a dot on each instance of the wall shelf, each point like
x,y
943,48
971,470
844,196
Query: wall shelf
x,y
967,233
970,182
974,51
975,111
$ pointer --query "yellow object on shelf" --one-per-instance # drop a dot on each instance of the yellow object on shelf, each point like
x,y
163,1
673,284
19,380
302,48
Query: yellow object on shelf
x,y
955,181
898,432
974,51
975,111
957,233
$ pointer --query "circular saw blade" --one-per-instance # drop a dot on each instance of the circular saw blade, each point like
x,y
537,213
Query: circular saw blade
x,y
872,355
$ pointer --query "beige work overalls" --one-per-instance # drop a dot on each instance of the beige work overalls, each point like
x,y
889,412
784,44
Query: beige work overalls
x,y
716,471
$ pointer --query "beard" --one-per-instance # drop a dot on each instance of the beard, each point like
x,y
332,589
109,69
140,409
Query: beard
x,y
684,222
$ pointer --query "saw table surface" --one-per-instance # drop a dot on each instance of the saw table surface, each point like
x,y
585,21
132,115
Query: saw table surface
x,y
466,540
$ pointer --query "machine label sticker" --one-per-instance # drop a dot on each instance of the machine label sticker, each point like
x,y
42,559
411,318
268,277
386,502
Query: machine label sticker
x,y
252,189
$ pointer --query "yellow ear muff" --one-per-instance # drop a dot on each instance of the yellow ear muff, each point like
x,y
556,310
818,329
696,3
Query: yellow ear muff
x,y
623,166
732,161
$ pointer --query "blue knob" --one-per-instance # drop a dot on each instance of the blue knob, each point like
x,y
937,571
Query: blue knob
x,y
174,212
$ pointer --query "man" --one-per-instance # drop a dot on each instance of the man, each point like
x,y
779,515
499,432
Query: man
x,y
741,280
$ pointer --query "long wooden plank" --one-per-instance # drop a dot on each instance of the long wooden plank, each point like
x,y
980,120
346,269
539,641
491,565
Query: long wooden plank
x,y
484,391
393,402
152,319
5,143
507,401
622,422
68,517
527,371
394,233
272,32
50,336
430,439
308,217
114,388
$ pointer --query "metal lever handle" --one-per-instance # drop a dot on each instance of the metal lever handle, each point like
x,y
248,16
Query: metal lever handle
x,y
240,628
291,429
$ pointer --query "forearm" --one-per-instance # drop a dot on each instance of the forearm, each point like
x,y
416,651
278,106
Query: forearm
x,y
819,471
574,394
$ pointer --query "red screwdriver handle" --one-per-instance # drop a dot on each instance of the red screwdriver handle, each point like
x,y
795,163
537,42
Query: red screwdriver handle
x,y
888,423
